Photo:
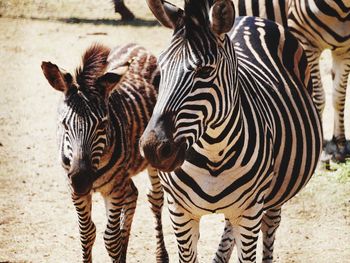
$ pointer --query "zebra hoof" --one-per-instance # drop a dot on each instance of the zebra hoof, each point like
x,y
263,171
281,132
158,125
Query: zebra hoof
x,y
164,258
337,151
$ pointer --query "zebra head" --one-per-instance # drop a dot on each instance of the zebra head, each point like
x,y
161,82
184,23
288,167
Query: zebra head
x,y
197,79
84,130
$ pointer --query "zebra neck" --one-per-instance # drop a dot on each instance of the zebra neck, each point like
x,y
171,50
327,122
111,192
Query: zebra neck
x,y
218,143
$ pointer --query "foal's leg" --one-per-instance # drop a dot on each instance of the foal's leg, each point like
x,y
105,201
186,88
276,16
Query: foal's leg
x,y
156,198
223,254
270,222
186,229
127,216
87,228
113,236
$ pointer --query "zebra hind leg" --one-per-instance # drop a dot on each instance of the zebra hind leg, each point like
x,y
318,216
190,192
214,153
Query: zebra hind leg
x,y
224,251
270,222
87,228
156,199
340,75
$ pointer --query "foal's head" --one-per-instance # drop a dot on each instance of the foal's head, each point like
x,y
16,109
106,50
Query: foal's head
x,y
83,118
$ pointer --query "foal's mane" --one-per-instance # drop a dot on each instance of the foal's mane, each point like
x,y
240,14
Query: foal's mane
x,y
94,63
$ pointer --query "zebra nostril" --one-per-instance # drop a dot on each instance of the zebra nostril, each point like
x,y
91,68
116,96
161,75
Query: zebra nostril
x,y
165,150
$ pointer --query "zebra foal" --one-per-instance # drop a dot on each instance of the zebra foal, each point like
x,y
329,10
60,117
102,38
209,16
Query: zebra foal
x,y
105,108
234,130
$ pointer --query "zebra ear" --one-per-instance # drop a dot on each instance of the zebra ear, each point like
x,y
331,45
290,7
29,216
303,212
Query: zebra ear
x,y
110,79
58,78
222,16
167,14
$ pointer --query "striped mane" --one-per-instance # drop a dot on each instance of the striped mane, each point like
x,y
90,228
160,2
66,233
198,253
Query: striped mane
x,y
94,63
196,14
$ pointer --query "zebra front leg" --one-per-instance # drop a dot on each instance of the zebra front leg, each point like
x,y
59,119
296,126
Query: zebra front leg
x,y
87,228
186,229
114,203
223,254
340,74
270,222
246,233
156,198
127,216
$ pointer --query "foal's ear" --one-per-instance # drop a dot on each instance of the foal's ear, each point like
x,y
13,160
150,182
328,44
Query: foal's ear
x,y
110,79
58,78
222,16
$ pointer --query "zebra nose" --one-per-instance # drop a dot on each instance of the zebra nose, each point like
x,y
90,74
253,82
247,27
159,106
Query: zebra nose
x,y
81,183
81,177
165,150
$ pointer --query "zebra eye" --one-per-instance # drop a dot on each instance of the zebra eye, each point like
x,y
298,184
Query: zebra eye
x,y
65,126
103,125
203,72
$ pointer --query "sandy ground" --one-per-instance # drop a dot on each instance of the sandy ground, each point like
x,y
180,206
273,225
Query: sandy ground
x,y
37,219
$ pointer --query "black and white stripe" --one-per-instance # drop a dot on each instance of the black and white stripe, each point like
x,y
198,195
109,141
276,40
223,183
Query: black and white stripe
x,y
318,25
234,129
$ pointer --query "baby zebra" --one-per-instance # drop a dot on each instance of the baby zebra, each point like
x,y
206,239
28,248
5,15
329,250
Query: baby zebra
x,y
105,108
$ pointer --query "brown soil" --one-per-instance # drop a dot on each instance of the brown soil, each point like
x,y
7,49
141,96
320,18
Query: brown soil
x,y
37,219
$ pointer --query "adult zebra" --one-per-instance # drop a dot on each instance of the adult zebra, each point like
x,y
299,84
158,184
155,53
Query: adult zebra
x,y
104,110
234,129
320,25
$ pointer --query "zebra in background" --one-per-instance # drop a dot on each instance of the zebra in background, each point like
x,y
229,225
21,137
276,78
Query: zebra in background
x,y
234,130
105,108
275,10
320,25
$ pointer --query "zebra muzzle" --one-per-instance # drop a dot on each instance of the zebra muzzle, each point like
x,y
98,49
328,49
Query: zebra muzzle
x,y
165,155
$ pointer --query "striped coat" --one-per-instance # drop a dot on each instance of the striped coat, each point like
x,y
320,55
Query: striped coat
x,y
105,108
234,130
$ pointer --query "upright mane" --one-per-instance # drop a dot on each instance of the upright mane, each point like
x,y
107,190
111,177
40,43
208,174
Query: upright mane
x,y
196,14
94,63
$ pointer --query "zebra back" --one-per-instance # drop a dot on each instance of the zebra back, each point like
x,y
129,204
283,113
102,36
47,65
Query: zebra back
x,y
131,103
275,10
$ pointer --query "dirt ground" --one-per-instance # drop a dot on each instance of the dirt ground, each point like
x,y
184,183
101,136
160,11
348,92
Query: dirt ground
x,y
37,219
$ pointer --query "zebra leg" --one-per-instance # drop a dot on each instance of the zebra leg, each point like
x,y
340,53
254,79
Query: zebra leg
x,y
246,233
117,218
186,229
87,228
270,222
127,216
313,57
223,254
156,198
120,7
340,74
